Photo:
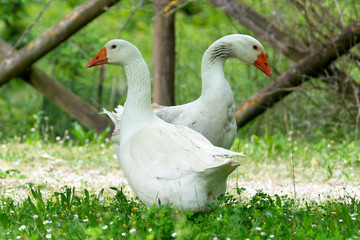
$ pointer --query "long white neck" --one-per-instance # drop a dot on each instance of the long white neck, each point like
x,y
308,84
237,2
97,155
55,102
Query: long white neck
x,y
138,99
212,70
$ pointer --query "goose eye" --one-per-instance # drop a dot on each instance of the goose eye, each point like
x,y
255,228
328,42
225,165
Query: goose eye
x,y
255,47
113,46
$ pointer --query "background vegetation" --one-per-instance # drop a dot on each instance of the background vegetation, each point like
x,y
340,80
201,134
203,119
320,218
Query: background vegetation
x,y
314,110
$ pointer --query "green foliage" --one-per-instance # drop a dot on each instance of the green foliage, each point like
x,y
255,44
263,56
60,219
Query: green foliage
x,y
69,214
11,16
9,172
87,136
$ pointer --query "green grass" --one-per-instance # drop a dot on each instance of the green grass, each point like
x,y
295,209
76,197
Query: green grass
x,y
110,212
67,215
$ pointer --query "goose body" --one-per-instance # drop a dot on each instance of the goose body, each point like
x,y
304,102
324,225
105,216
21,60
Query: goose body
x,y
163,163
213,113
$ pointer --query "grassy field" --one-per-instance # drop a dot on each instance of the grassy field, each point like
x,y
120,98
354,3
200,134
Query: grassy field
x,y
76,190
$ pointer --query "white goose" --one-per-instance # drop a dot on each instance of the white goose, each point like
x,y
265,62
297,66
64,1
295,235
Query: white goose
x,y
162,162
213,113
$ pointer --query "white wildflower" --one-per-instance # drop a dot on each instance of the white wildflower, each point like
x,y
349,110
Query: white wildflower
x,y
22,227
36,216
272,236
340,220
48,236
85,220
76,216
123,234
105,227
18,237
132,230
258,228
262,233
174,234
150,230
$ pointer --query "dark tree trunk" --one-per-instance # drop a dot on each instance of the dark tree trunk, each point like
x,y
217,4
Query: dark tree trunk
x,y
164,54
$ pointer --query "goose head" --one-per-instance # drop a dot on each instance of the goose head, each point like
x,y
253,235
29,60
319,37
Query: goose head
x,y
116,52
243,47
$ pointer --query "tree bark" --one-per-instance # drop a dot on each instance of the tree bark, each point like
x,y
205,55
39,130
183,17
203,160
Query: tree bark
x,y
164,54
61,96
16,63
312,65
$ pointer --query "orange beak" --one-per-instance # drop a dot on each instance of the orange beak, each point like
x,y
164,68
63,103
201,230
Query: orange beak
x,y
262,64
99,59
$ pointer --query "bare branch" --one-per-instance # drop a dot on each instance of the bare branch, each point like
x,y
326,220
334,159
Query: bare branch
x,y
339,12
129,17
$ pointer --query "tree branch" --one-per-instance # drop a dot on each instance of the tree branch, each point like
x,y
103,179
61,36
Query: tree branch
x,y
16,64
312,65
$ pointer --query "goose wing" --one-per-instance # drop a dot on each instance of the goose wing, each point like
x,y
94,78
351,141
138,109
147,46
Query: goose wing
x,y
171,151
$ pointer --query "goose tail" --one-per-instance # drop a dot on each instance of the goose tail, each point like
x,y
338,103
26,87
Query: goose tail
x,y
115,116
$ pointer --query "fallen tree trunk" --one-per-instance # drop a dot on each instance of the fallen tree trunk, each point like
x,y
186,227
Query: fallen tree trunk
x,y
312,65
61,96
16,63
